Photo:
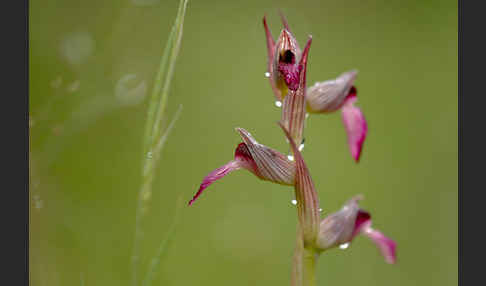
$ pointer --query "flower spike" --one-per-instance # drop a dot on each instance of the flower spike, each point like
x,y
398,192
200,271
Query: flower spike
x,y
340,93
306,196
264,162
344,225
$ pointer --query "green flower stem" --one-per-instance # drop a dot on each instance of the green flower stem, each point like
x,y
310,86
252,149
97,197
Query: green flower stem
x,y
309,267
304,263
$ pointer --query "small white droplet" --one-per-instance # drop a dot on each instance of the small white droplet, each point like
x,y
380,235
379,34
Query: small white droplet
x,y
290,157
301,147
306,115
149,155
278,103
267,74
344,245
294,202
320,210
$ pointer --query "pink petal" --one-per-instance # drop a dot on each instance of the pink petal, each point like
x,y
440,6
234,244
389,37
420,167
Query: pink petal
x,y
303,64
287,27
386,245
355,124
284,21
329,96
216,175
270,53
270,41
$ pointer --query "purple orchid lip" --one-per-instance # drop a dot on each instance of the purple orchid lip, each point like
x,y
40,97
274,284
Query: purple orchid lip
x,y
215,175
386,245
355,125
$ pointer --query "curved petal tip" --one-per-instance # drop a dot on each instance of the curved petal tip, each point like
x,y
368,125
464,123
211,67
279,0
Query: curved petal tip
x,y
215,175
386,245
355,124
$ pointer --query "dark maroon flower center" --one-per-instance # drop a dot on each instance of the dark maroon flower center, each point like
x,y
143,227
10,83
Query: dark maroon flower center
x,y
361,218
287,57
243,152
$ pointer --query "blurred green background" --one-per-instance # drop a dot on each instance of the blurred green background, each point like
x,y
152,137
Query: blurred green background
x,y
92,63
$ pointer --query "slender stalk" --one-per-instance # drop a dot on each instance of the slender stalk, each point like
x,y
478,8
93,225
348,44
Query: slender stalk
x,y
154,135
296,279
309,267
304,263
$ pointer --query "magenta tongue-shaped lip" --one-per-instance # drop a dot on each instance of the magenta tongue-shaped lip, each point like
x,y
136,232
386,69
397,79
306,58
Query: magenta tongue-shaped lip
x,y
289,70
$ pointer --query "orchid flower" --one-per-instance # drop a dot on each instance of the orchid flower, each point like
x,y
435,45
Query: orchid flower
x,y
285,65
344,225
264,162
340,93
283,57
